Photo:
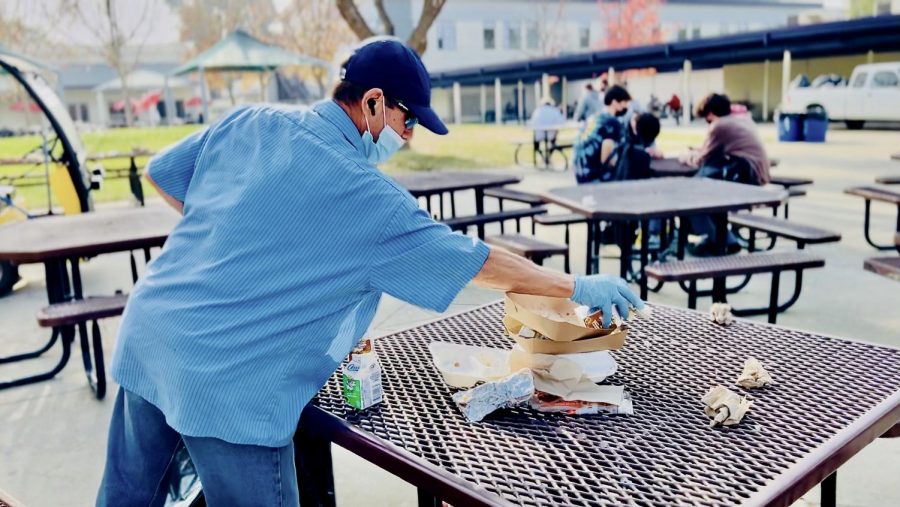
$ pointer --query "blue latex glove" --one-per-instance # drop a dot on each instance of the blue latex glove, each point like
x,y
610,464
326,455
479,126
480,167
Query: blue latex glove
x,y
603,291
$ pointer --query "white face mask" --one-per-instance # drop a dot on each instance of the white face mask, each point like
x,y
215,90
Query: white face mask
x,y
389,141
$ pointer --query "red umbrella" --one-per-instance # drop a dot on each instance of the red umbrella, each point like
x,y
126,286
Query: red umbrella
x,y
147,101
20,107
193,102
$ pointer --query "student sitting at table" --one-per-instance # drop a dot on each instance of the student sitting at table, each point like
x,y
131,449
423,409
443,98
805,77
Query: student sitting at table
x,y
629,159
587,151
546,120
733,151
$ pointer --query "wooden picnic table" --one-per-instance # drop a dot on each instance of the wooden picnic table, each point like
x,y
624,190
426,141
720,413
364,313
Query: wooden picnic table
x,y
832,397
61,241
631,202
428,184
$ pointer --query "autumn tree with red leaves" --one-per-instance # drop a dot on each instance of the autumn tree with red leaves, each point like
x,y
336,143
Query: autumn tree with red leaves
x,y
631,23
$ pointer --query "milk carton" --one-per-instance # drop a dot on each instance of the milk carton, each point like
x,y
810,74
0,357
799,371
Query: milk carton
x,y
361,377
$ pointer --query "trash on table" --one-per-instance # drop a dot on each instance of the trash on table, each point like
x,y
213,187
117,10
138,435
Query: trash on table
x,y
361,377
725,407
720,313
564,378
754,375
466,365
544,402
510,391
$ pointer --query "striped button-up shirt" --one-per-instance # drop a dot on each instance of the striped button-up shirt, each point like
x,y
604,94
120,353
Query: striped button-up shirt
x,y
289,238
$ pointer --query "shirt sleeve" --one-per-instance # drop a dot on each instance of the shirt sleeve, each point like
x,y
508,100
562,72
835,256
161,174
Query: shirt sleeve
x,y
173,169
710,145
423,262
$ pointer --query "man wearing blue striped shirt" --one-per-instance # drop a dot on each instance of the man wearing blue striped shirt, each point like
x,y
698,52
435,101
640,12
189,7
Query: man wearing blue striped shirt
x,y
289,237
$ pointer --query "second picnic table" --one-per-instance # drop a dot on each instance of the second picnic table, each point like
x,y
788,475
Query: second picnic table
x,y
428,184
642,200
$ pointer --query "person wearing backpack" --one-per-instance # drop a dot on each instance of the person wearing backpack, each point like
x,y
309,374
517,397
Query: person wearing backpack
x,y
587,153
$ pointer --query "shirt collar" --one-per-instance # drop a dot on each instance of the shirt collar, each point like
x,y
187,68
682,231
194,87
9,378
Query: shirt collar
x,y
335,114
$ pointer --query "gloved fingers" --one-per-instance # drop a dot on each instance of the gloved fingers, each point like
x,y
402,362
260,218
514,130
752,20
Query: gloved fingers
x,y
622,307
626,292
606,308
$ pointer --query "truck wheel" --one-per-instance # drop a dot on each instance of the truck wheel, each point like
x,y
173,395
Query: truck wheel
x,y
9,275
855,124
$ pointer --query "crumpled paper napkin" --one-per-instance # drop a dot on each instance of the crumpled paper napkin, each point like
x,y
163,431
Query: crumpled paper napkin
x,y
754,375
720,313
724,406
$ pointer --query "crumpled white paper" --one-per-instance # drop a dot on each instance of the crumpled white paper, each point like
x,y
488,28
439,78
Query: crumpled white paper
x,y
754,375
724,406
720,313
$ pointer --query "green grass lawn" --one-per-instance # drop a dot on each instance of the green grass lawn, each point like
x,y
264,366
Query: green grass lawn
x,y
467,147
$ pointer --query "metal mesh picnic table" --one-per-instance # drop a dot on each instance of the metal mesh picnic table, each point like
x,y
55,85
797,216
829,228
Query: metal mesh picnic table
x,y
831,397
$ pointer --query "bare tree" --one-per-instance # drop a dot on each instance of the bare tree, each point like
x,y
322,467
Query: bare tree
x,y
551,27
120,38
314,28
418,38
205,22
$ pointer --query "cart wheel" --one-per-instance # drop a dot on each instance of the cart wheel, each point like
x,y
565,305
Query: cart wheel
x,y
9,275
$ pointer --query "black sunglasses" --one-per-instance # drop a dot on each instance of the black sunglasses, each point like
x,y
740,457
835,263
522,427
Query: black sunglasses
x,y
410,120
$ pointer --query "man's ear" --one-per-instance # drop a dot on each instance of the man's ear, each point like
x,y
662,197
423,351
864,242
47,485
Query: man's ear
x,y
371,98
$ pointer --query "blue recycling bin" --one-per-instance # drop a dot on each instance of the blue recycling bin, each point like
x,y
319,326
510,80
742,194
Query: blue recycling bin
x,y
790,127
815,126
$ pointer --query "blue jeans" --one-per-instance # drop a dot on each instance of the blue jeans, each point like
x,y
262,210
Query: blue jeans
x,y
703,225
141,454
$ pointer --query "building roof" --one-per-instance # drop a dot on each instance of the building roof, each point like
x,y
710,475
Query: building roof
x,y
810,41
239,51
90,75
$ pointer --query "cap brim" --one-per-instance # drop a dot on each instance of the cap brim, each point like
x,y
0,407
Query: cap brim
x,y
428,118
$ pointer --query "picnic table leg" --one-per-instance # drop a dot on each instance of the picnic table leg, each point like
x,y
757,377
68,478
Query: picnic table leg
x,y
57,291
867,223
589,253
721,223
479,209
682,237
426,499
829,491
625,241
645,252
315,472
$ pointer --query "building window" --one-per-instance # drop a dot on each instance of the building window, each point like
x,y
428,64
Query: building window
x,y
584,36
513,35
532,39
85,116
885,79
695,33
682,34
73,111
490,41
860,80
446,36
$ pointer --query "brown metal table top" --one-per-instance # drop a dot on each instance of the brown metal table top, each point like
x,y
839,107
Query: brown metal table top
x,y
661,198
92,233
831,397
671,167
436,182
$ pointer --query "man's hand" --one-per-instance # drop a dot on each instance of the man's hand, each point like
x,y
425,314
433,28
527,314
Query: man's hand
x,y
603,291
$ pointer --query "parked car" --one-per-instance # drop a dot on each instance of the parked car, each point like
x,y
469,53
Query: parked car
x,y
873,94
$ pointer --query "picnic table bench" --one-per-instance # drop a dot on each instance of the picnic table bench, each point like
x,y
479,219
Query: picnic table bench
x,y
888,180
793,438
60,243
781,228
886,266
880,194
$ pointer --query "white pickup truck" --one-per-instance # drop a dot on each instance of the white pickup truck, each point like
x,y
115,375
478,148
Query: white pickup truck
x,y
873,94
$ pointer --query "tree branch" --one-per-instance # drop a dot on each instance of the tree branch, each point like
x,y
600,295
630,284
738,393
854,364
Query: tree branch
x,y
354,19
385,19
418,39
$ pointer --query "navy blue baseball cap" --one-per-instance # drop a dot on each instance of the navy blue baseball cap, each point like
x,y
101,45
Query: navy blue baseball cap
x,y
387,63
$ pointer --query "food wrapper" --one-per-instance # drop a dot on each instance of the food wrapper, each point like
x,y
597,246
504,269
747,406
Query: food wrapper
x,y
754,375
466,365
724,407
720,313
544,402
480,401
